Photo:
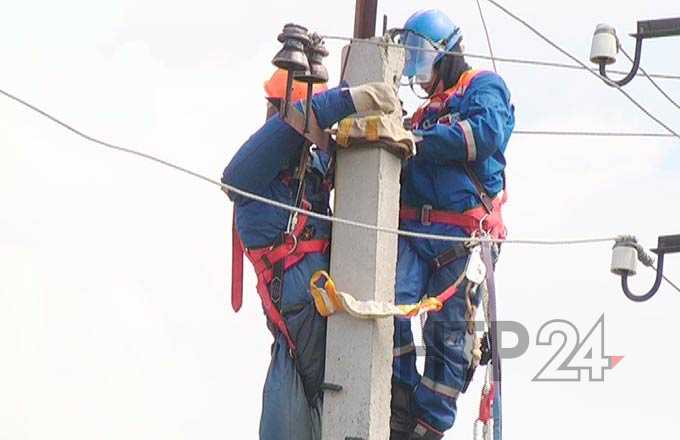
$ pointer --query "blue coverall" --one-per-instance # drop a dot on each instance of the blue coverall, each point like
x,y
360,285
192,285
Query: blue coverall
x,y
435,176
292,398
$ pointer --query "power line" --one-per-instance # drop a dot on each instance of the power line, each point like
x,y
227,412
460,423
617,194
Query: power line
x,y
567,133
651,80
672,133
495,68
573,58
538,63
488,37
665,278
672,284
592,133
292,208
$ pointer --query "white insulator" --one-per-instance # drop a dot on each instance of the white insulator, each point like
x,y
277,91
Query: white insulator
x,y
605,45
624,260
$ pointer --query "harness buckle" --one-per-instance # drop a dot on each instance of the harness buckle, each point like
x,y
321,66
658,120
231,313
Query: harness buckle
x,y
275,288
268,264
426,215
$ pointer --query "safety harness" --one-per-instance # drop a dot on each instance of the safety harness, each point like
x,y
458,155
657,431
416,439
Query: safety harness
x,y
488,215
485,218
271,262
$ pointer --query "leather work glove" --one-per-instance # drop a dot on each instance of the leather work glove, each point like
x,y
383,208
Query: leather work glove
x,y
376,96
417,135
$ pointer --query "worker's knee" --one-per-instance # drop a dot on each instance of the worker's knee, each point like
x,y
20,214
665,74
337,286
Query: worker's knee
x,y
308,330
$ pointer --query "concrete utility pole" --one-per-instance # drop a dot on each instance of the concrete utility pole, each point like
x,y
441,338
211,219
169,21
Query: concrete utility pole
x,y
359,353
365,14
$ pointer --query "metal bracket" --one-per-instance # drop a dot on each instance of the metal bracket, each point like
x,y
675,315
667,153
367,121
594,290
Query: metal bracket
x,y
331,387
665,27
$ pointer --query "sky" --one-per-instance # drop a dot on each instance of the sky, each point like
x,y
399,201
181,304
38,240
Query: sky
x,y
114,272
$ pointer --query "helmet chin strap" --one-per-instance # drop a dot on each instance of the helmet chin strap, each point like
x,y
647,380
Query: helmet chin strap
x,y
413,89
430,92
434,86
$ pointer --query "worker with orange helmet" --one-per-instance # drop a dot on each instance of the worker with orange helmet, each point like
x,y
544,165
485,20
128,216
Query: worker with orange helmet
x,y
286,257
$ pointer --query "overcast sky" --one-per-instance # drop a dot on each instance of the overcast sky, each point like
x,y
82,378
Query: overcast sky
x,y
114,320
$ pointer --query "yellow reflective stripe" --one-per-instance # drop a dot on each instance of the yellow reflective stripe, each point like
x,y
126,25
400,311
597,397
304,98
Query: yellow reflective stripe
x,y
344,129
440,388
469,140
372,129
406,349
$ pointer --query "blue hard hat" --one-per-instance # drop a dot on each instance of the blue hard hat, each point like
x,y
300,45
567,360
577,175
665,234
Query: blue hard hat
x,y
427,29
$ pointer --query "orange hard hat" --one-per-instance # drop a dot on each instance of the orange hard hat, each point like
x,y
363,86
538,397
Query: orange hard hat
x,y
275,87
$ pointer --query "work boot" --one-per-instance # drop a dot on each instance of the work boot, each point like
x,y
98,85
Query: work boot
x,y
402,421
424,432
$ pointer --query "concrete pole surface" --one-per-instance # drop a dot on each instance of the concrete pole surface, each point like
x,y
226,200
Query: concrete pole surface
x,y
363,263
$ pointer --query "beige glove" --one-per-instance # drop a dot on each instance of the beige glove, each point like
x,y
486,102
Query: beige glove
x,y
375,97
384,128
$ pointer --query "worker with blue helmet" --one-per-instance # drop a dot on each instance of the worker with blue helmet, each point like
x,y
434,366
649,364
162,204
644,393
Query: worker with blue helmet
x,y
425,34
463,130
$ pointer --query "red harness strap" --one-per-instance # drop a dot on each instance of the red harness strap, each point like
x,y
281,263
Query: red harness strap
x,y
470,221
236,267
292,251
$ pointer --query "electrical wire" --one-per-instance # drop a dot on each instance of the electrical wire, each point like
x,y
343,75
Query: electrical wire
x,y
671,283
573,58
496,58
654,83
592,133
488,37
666,279
289,208
671,134
565,133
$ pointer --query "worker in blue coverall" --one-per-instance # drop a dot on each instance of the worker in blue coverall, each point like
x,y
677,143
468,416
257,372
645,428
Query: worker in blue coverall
x,y
266,165
466,122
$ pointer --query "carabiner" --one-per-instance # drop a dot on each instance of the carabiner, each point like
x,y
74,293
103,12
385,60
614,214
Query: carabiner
x,y
295,244
483,231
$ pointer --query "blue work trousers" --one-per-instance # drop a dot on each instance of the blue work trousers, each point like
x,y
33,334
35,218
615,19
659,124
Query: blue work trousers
x,y
292,397
447,342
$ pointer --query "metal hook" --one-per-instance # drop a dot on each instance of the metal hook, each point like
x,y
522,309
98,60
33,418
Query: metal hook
x,y
633,72
667,27
668,244
481,225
